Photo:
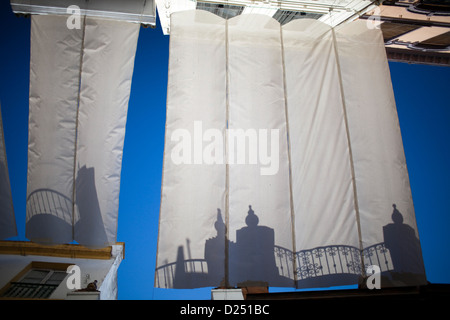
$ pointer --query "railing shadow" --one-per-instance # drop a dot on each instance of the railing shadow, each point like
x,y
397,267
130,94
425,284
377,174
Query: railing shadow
x,y
255,258
316,267
51,218
48,201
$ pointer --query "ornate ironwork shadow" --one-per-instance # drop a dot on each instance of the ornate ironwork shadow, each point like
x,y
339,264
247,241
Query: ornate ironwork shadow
x,y
318,264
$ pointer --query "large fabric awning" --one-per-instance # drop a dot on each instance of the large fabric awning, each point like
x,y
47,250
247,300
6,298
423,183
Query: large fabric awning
x,y
283,161
80,80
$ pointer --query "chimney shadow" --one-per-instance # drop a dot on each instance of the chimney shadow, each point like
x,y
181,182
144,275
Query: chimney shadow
x,y
405,252
89,228
252,258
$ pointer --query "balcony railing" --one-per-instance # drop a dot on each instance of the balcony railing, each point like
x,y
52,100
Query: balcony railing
x,y
29,290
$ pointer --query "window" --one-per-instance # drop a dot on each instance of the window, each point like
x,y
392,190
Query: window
x,y
37,281
224,11
285,16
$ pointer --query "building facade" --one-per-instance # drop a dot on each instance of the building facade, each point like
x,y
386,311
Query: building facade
x,y
62,272
415,31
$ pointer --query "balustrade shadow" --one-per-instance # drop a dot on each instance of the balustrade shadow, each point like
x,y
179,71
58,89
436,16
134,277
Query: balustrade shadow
x,y
254,259
50,218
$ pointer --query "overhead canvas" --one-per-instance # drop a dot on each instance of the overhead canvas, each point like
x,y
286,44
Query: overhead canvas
x,y
194,186
283,160
259,199
107,69
389,233
80,82
54,83
322,191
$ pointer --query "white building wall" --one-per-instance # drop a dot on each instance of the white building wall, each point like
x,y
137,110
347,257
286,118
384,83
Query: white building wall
x,y
104,271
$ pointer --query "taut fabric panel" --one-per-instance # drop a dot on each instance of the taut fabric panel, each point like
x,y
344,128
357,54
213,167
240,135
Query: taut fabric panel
x,y
80,83
385,202
107,69
54,84
259,196
191,243
7,218
323,198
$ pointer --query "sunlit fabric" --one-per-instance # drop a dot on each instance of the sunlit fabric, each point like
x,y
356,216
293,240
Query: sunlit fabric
x,y
323,198
259,199
80,83
8,226
194,195
386,210
283,160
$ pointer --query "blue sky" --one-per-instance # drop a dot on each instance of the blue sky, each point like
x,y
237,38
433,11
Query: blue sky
x,y
423,101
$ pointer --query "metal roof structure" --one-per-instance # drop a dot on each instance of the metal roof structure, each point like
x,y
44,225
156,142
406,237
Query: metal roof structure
x,y
415,31
139,11
332,12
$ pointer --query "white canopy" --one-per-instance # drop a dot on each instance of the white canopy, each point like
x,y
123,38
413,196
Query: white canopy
x,y
283,159
80,82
